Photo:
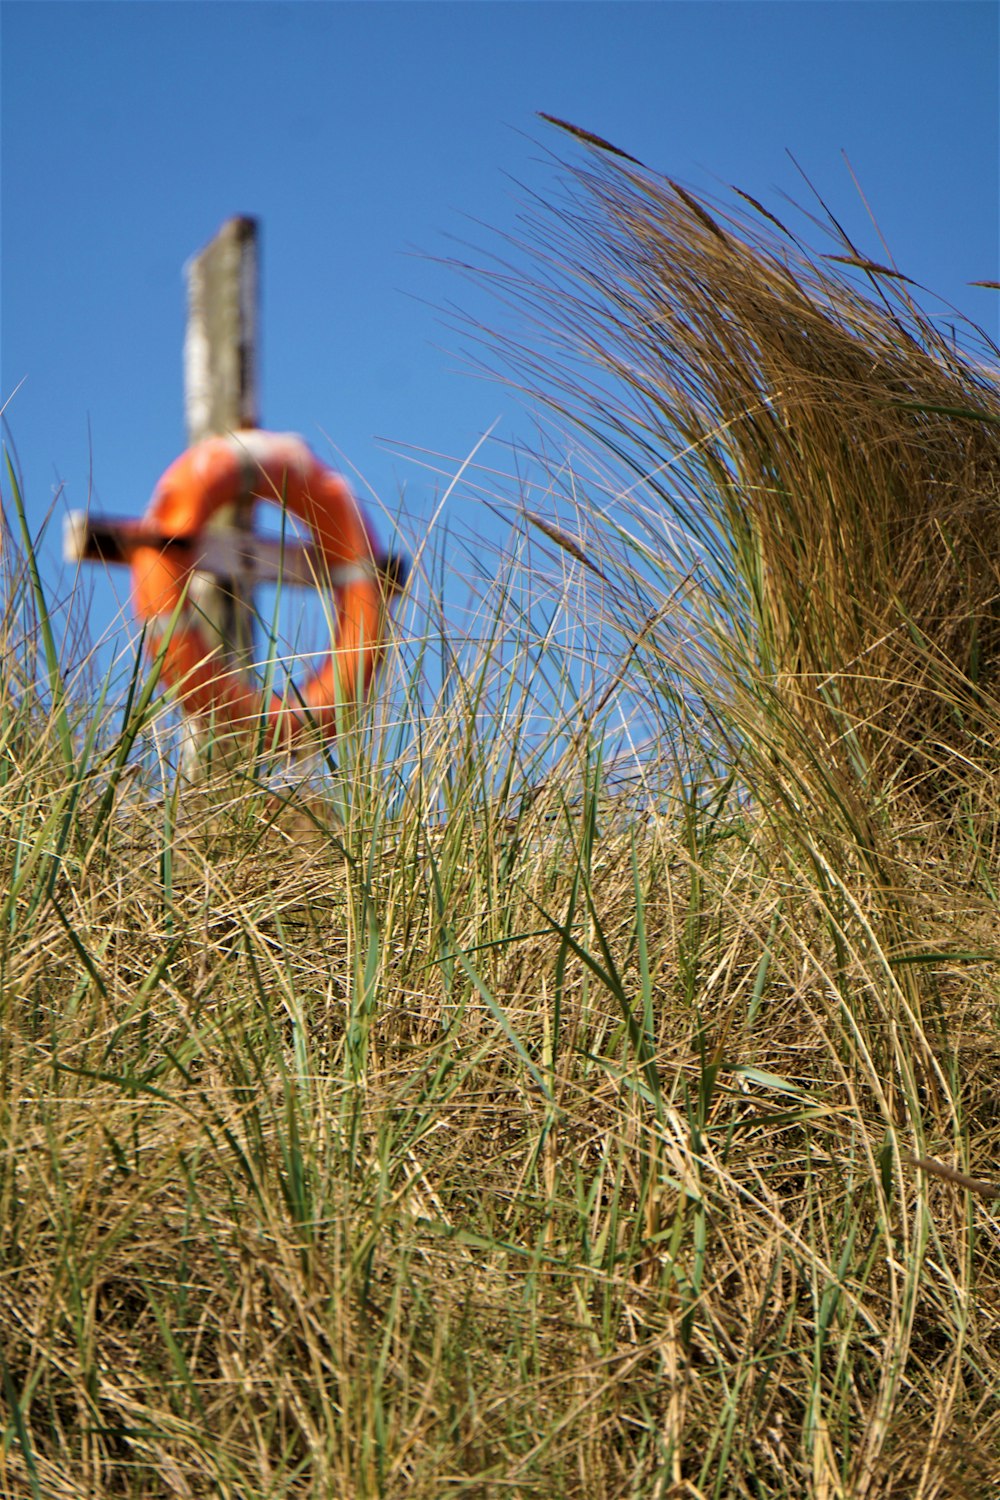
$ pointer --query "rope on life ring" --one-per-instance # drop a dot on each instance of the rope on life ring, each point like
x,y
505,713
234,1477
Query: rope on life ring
x,y
281,468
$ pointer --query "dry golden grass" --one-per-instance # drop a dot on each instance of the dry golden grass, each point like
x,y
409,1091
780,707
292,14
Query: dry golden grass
x,y
486,1124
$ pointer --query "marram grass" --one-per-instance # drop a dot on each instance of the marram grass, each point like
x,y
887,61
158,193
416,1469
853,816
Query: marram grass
x,y
508,1113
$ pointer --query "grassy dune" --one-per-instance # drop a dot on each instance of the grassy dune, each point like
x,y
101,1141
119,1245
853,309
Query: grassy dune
x,y
529,1109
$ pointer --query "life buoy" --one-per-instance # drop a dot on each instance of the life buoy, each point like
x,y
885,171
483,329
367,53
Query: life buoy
x,y
278,467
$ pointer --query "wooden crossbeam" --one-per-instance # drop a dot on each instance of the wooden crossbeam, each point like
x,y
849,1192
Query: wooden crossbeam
x,y
227,556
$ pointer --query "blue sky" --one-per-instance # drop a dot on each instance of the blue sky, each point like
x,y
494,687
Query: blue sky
x,y
372,140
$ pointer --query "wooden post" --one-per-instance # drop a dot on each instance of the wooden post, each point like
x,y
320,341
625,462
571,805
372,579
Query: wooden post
x,y
220,390
228,558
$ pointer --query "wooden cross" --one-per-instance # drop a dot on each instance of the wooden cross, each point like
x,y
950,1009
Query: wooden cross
x,y
220,382
220,395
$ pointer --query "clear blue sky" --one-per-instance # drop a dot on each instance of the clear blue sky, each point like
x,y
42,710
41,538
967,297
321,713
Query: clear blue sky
x,y
369,138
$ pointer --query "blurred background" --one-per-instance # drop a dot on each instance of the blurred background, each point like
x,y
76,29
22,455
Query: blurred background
x,y
381,144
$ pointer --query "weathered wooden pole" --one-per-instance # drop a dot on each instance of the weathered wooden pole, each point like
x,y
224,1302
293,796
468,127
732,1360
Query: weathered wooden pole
x,y
220,396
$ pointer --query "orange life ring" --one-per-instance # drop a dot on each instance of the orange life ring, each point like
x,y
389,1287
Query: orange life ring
x,y
278,467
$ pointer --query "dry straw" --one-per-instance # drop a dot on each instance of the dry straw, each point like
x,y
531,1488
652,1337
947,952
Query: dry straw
x,y
504,1117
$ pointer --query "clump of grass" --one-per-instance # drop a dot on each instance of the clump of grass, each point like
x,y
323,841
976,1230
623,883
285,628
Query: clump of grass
x,y
830,446
525,1109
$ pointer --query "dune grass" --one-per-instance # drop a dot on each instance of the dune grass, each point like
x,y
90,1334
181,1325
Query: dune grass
x,y
589,1088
